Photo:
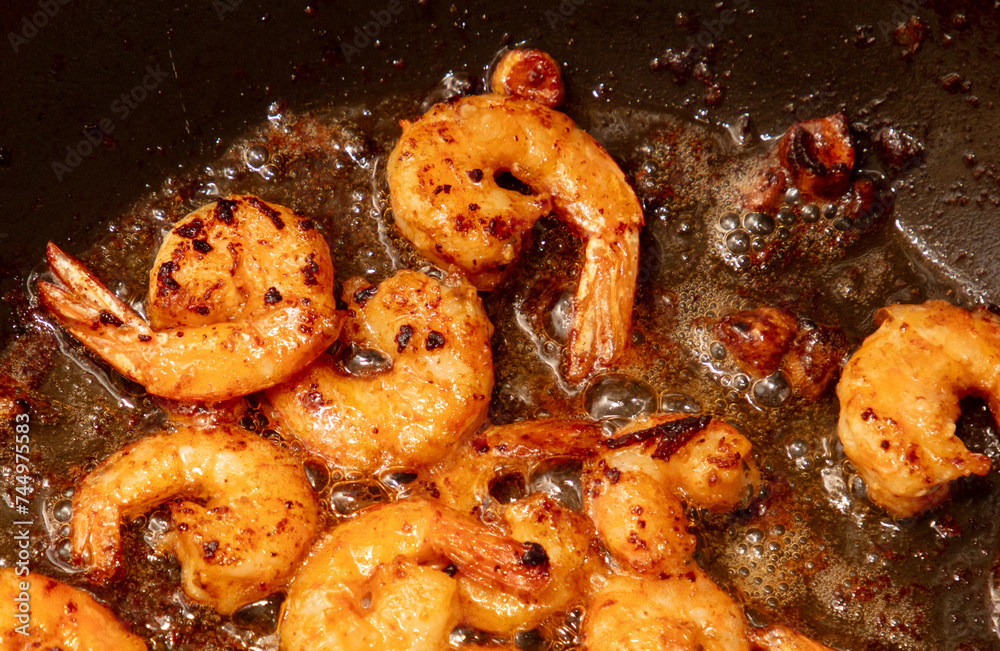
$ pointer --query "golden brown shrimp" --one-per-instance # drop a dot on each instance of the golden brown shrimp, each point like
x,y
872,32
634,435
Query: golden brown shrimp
x,y
446,200
246,288
243,512
679,611
703,461
899,396
575,568
436,336
384,580
782,638
42,613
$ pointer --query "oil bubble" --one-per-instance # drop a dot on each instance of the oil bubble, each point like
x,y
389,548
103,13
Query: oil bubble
x,y
619,396
560,480
772,391
256,156
350,497
672,403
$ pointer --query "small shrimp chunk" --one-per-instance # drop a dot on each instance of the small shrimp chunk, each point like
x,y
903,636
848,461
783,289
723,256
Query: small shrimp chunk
x,y
678,611
243,511
239,286
529,74
60,617
384,580
899,400
446,200
819,156
436,338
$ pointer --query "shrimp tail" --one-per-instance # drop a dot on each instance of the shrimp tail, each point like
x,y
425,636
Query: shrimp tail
x,y
523,567
81,283
91,312
603,305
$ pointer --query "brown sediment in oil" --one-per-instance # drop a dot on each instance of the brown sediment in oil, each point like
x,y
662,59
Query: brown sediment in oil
x,y
811,552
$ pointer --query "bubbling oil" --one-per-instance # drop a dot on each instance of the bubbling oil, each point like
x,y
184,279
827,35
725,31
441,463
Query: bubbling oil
x,y
810,551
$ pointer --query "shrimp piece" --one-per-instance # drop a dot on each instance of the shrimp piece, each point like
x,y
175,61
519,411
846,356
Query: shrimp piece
x,y
60,617
575,568
705,462
782,638
529,74
679,611
245,288
436,336
899,400
383,580
242,508
446,200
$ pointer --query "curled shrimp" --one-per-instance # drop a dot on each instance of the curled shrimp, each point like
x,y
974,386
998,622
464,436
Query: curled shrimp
x,y
446,200
246,288
436,338
243,511
899,400
385,579
704,461
676,611
42,613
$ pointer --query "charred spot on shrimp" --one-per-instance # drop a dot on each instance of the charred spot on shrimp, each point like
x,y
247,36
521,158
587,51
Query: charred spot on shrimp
x,y
224,211
309,271
534,556
191,230
201,246
434,341
166,284
107,318
209,549
362,295
272,296
403,338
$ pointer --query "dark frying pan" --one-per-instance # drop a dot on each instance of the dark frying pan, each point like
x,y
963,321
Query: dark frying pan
x,y
103,100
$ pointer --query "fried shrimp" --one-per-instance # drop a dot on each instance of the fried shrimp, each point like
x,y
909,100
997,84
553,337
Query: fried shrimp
x,y
385,579
705,462
899,400
56,616
681,611
436,338
243,511
446,200
239,286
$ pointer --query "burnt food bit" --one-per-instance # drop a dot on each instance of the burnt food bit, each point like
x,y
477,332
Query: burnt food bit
x,y
403,338
165,283
757,339
362,295
190,230
272,296
224,211
434,341
201,246
534,555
